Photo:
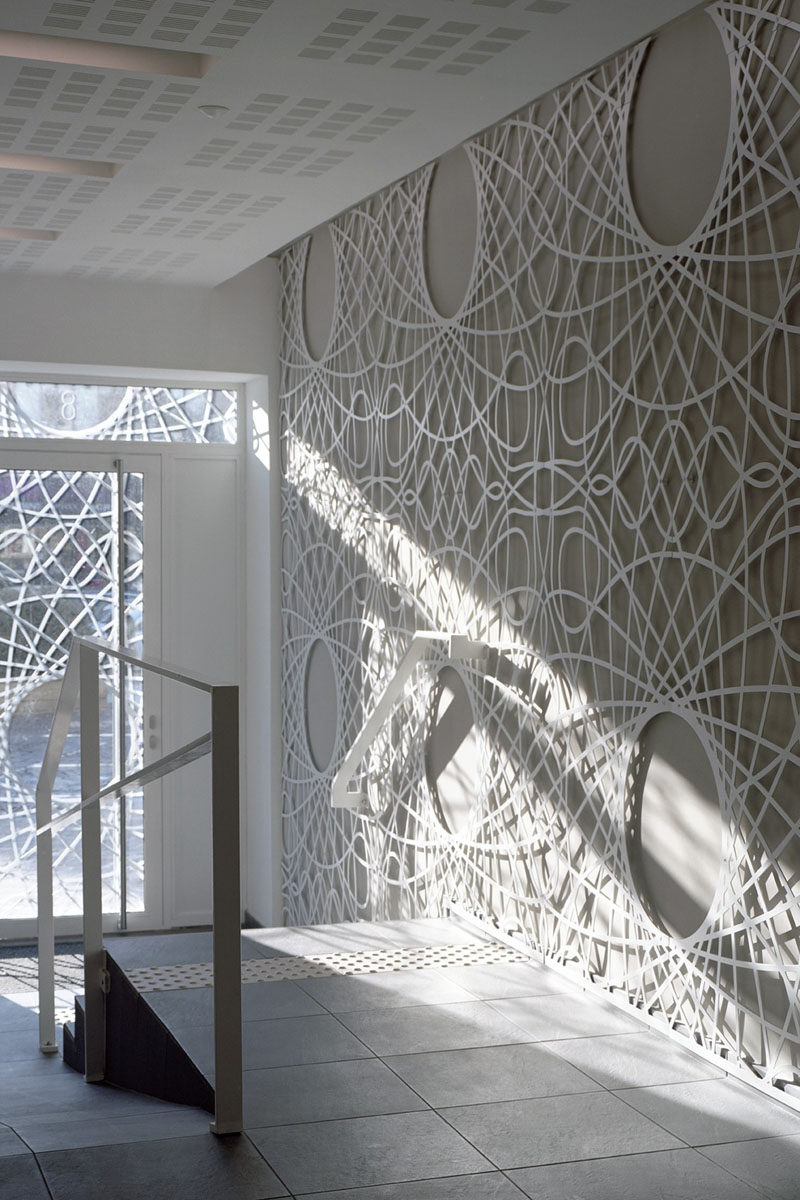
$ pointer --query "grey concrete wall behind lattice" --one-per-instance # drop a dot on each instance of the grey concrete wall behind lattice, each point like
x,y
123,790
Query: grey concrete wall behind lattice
x,y
544,394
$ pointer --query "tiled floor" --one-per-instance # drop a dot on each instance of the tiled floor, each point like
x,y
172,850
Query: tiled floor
x,y
446,1083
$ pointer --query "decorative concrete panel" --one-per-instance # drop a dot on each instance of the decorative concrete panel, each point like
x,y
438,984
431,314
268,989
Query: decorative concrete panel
x,y
592,465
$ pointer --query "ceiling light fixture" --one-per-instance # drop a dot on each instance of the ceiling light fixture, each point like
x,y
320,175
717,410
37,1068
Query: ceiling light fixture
x,y
77,52
59,166
28,235
213,110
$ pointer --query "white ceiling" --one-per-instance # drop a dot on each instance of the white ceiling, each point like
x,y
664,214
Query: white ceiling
x,y
327,103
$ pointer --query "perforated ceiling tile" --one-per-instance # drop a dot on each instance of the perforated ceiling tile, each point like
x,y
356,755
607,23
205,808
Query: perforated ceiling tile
x,y
548,6
30,86
212,153
287,160
125,96
260,207
90,141
47,136
257,111
298,116
378,126
10,129
339,34
132,144
79,90
325,162
172,99
164,213
237,22
224,231
68,14
125,17
409,43
482,50
248,156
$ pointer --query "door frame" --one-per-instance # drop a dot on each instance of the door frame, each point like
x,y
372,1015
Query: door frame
x,y
143,458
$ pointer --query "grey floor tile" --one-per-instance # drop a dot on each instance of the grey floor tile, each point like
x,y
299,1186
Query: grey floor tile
x,y
16,1016
433,1027
772,1165
462,1187
366,1151
10,1144
22,1179
384,989
295,942
527,1133
350,936
283,1042
46,1087
488,1073
634,1060
178,1169
429,931
545,1018
664,1175
268,1001
500,981
17,1045
324,1091
713,1110
167,949
66,1131
260,1002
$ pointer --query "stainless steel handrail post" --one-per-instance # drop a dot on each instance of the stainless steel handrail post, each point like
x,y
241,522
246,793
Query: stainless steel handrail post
x,y
93,953
226,911
83,666
46,950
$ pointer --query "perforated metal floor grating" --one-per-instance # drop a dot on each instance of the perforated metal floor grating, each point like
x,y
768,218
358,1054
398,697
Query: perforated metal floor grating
x,y
359,962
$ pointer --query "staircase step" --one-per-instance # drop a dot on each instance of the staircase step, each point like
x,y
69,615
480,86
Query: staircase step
x,y
141,1053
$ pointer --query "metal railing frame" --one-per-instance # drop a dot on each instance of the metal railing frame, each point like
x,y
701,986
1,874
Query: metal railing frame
x,y
81,686
456,647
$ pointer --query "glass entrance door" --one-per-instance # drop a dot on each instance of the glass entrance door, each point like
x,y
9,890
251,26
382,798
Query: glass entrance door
x,y
72,561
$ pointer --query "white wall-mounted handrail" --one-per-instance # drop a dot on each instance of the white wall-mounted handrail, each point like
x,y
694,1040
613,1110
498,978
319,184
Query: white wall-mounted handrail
x,y
81,684
455,647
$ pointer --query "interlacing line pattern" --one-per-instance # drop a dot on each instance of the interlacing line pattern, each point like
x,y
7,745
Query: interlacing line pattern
x,y
58,578
594,466
133,414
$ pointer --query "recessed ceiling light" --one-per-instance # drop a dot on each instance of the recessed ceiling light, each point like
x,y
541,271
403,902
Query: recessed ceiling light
x,y
38,47
213,110
59,166
28,235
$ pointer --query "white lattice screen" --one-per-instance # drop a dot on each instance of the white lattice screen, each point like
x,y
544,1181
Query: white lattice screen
x,y
593,466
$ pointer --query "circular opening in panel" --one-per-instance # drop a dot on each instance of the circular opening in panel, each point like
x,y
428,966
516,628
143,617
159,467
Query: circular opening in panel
x,y
451,231
675,824
321,706
679,128
451,756
319,292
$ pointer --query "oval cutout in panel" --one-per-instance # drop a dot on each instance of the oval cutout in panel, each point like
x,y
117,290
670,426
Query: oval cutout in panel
x,y
319,292
675,824
321,705
451,754
679,128
451,231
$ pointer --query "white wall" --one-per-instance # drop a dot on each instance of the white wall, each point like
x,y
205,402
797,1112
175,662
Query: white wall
x,y
132,326
227,334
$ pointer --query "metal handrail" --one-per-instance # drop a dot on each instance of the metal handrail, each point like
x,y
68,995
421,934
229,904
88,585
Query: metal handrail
x,y
456,647
81,685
